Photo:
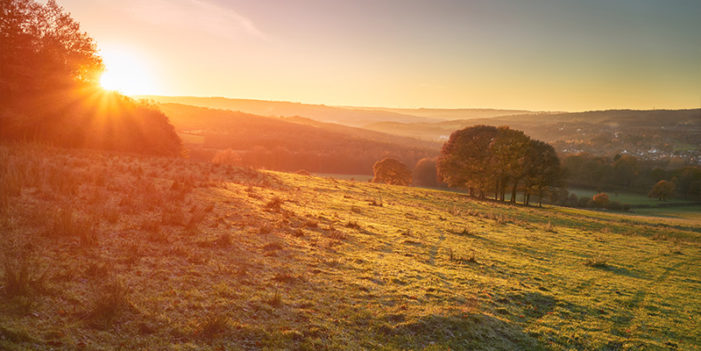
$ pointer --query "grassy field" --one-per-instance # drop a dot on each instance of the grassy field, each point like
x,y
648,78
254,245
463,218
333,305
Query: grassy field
x,y
688,213
109,251
627,198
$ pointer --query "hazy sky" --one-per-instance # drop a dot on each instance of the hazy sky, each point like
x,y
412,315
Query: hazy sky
x,y
531,54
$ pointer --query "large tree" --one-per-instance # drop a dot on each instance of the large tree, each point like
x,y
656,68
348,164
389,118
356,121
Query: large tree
x,y
466,158
391,171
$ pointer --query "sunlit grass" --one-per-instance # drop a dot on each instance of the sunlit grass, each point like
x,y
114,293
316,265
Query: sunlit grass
x,y
194,255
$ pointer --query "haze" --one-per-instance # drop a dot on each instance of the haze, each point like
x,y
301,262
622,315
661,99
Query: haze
x,y
537,55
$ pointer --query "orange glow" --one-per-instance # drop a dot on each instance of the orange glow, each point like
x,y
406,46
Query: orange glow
x,y
125,73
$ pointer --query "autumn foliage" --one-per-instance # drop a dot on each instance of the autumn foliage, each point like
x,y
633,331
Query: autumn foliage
x,y
49,93
391,171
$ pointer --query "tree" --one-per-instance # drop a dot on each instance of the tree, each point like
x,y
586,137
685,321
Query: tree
x,y
425,173
542,170
42,49
391,171
662,190
466,158
509,150
49,71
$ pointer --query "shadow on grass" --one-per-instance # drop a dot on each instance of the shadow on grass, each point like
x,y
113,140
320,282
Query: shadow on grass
x,y
467,332
619,270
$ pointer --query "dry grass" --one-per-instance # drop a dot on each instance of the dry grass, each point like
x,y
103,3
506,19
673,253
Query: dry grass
x,y
234,258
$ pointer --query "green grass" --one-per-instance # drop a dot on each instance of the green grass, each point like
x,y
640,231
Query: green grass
x,y
315,263
626,198
690,213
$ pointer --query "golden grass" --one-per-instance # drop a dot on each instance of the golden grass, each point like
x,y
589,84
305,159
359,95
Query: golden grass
x,y
162,253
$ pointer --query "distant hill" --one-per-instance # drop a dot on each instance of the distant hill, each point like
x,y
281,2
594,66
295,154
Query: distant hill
x,y
323,113
291,143
648,134
450,114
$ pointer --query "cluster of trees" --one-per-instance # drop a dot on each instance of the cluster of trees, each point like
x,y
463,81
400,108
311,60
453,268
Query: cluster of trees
x,y
628,173
49,72
495,160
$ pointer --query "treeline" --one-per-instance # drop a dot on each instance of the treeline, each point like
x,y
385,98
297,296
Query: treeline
x,y
496,161
49,92
628,173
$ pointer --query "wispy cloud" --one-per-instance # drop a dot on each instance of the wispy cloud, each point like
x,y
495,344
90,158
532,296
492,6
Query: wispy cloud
x,y
194,16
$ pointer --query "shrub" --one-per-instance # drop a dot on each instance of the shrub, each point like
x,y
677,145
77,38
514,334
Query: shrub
x,y
600,200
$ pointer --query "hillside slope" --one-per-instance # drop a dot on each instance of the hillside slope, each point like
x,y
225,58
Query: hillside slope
x,y
156,253
295,143
322,113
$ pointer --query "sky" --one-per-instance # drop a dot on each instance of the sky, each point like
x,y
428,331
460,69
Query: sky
x,y
555,55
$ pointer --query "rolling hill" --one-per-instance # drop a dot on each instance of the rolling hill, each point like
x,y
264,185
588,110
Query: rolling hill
x,y
346,115
643,133
291,143
322,113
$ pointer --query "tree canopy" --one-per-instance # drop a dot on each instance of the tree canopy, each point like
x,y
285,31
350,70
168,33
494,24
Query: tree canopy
x,y
486,159
391,171
49,71
663,190
425,173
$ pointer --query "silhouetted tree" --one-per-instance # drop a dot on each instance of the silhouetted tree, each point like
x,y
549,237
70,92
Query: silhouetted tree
x,y
48,87
391,171
662,190
41,50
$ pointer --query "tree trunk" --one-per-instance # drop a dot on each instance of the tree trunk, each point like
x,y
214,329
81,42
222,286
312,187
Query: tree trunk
x,y
513,191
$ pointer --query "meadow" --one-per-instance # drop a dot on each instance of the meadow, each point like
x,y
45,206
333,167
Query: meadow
x,y
105,251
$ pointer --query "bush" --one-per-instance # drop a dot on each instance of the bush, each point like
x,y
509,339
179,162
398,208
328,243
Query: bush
x,y
600,200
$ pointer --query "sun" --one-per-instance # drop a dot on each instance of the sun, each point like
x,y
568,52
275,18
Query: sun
x,y
125,73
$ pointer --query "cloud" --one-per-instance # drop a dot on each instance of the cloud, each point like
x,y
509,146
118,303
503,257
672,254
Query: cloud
x,y
194,16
